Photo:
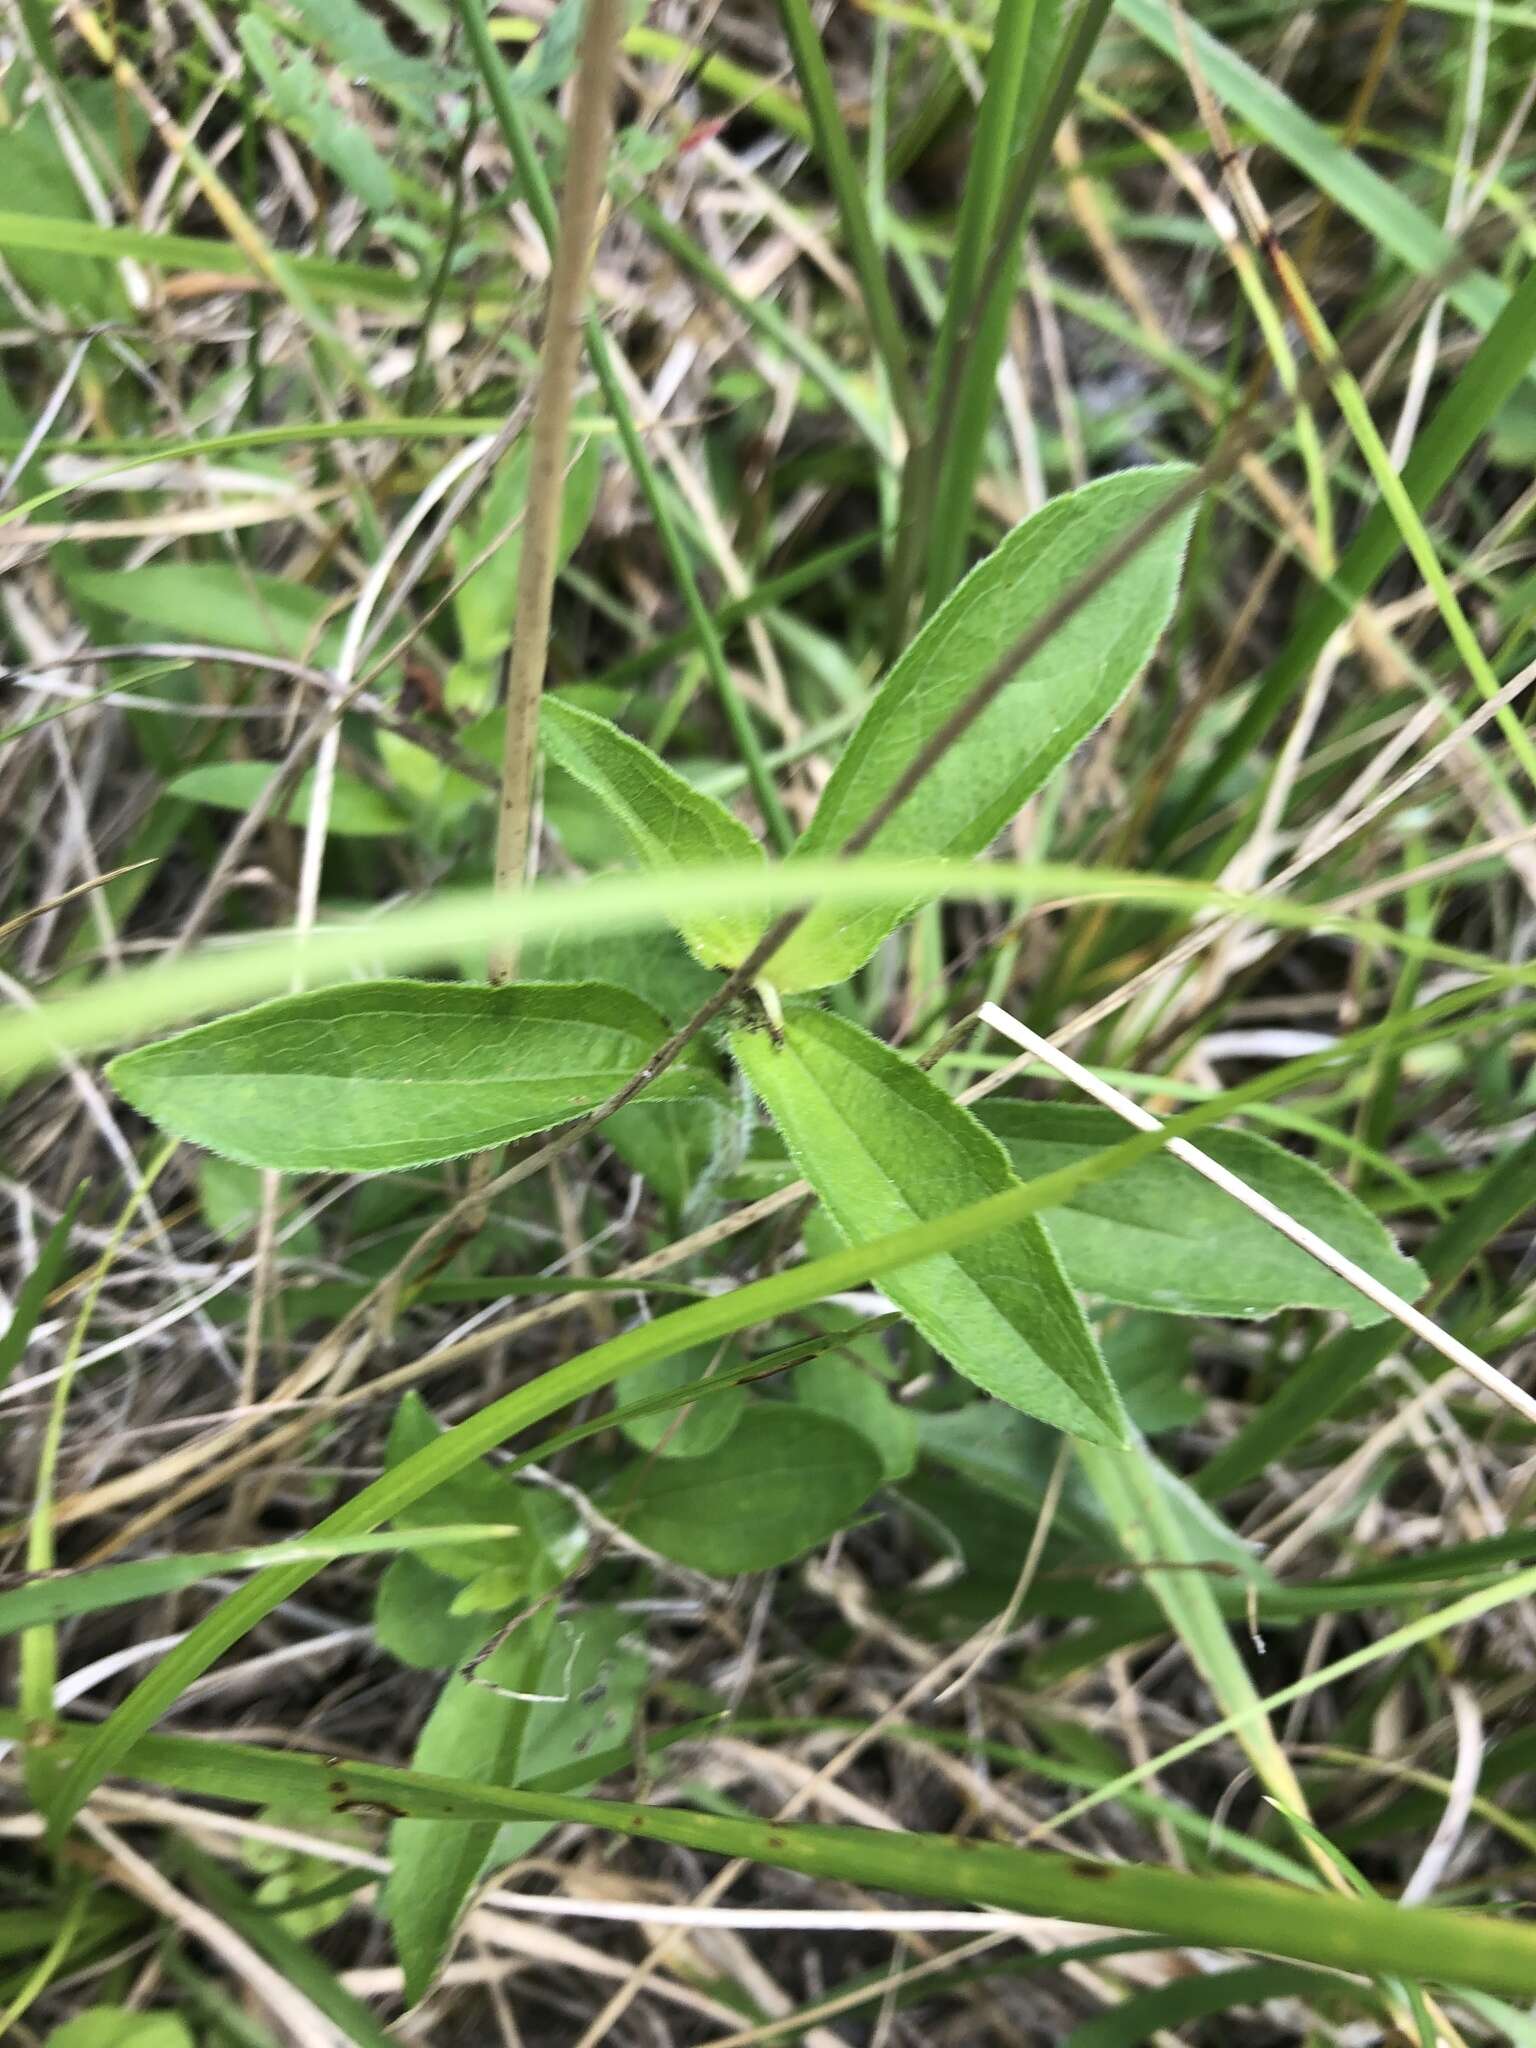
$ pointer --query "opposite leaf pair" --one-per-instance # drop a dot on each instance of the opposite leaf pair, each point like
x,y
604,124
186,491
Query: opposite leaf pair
x,y
398,1074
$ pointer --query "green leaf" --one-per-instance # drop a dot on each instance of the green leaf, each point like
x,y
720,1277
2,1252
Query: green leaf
x,y
668,823
357,811
682,1431
595,1674
1052,702
476,1733
851,1395
411,1619
587,1680
1193,1910
378,1075
548,1540
885,1147
216,602
1160,1522
32,1296
299,94
782,1482
116,2026
1158,1236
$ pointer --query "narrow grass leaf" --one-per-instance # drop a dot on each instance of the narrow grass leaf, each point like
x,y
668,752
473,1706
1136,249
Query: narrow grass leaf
x,y
32,1296
1360,1935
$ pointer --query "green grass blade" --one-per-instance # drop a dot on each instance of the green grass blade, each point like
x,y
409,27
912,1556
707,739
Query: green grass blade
x,y
143,1000
33,1294
1229,1912
837,159
1379,206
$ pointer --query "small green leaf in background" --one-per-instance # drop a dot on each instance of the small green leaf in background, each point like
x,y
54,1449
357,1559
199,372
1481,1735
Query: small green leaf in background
x,y
1030,727
548,1540
668,823
784,1480
588,1682
1158,1236
290,1878
687,1431
884,1147
474,1732
218,603
412,1618
357,811
371,1076
849,1393
115,2026
302,102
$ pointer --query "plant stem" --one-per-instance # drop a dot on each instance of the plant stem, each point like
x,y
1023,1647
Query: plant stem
x,y
586,169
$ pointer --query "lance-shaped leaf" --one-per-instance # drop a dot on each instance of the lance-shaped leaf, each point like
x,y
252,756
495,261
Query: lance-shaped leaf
x,y
377,1075
669,823
884,1147
1158,1236
1054,701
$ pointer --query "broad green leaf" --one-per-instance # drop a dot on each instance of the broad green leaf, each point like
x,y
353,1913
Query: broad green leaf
x,y
595,1674
668,823
587,1680
548,1540
218,603
303,103
684,1431
412,1622
849,1394
473,1732
37,168
1052,703
884,1147
372,1076
1158,1236
356,812
783,1481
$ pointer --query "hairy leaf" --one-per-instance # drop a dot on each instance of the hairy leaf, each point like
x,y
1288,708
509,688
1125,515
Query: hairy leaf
x,y
885,1147
376,1075
668,823
1051,703
1158,1236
